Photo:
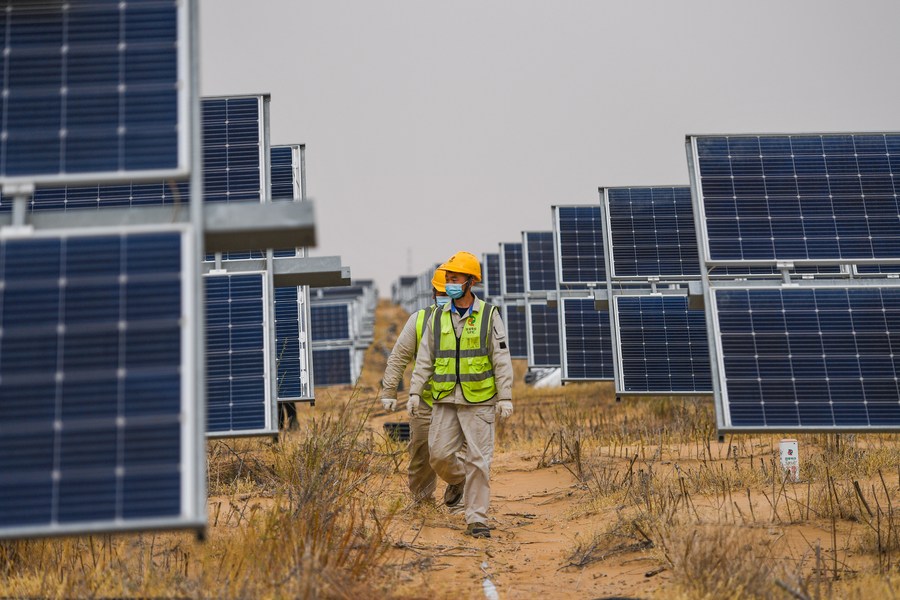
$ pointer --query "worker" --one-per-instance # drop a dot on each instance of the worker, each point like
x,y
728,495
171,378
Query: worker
x,y
464,354
422,480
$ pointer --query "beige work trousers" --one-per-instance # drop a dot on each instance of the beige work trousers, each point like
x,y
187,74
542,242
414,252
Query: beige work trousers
x,y
422,479
461,442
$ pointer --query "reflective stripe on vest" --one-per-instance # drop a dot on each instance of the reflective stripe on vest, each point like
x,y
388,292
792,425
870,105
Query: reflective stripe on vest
x,y
423,315
463,360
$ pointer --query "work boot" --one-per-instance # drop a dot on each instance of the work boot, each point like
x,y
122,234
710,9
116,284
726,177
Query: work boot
x,y
478,530
453,495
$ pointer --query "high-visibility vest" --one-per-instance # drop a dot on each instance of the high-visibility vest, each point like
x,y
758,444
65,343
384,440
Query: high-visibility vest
x,y
463,360
423,315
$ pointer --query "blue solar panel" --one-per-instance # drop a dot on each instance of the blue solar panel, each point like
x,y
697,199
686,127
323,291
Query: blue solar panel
x,y
512,269
490,274
799,197
587,351
662,345
285,184
234,160
92,375
233,136
809,357
579,238
236,354
333,366
652,232
330,322
543,336
290,349
94,90
540,262
516,330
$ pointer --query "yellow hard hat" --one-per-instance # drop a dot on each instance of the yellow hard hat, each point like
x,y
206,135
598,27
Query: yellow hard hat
x,y
438,281
465,263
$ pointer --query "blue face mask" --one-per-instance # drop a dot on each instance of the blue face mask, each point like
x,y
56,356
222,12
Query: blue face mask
x,y
454,290
442,301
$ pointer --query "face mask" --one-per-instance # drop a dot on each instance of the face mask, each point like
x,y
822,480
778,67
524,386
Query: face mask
x,y
454,290
442,301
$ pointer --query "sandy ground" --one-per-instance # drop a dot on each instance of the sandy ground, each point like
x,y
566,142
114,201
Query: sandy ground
x,y
540,514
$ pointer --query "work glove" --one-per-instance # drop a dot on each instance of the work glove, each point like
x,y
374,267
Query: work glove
x,y
389,404
412,406
504,408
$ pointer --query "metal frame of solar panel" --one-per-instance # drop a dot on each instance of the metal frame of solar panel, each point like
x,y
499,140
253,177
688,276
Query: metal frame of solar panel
x,y
659,339
578,248
240,355
803,353
541,317
101,424
91,95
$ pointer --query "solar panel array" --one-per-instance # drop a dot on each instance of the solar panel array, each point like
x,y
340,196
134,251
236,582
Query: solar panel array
x,y
237,355
817,358
95,381
514,317
341,329
543,336
234,167
490,274
579,239
799,197
99,424
662,345
659,342
540,261
652,232
512,270
94,91
586,344
801,354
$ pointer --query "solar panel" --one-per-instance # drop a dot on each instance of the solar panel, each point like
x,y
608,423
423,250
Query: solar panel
x,y
287,172
662,345
652,232
94,91
334,366
234,168
235,149
239,398
540,262
98,422
490,274
824,198
292,350
586,343
543,336
516,330
579,240
814,357
330,322
512,270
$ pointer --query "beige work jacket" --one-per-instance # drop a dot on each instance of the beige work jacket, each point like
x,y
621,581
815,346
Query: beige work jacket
x,y
404,352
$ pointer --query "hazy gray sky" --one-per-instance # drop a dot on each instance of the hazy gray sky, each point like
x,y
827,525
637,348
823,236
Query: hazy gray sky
x,y
433,127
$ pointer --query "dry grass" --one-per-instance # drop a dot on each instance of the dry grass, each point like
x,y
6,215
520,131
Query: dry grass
x,y
303,518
